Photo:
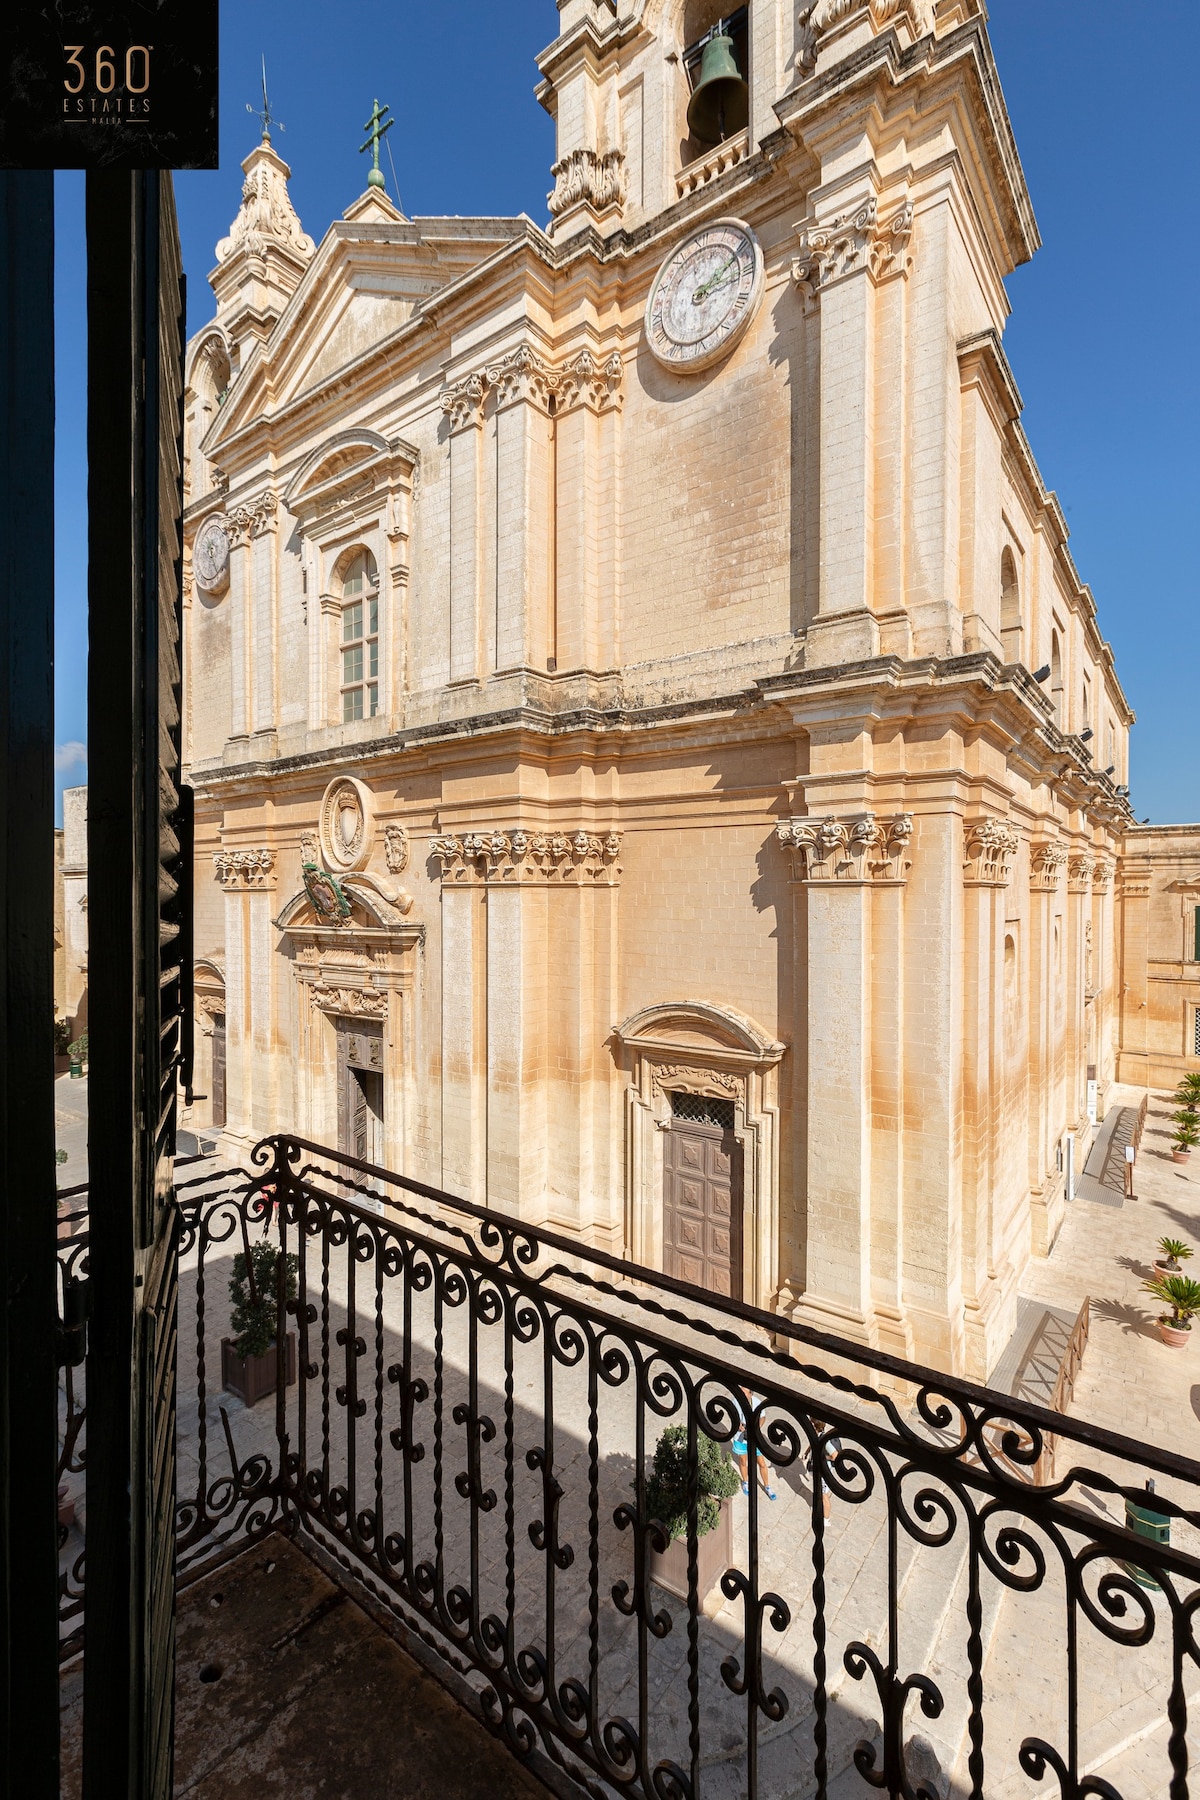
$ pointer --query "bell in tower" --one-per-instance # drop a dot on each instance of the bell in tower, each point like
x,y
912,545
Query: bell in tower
x,y
720,104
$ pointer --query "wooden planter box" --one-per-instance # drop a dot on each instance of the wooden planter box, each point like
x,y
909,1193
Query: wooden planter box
x,y
252,1378
714,1554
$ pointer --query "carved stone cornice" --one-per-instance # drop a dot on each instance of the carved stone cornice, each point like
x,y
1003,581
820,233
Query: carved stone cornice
x,y
350,1002
523,375
858,851
245,870
592,178
253,517
851,243
1079,874
1046,864
579,858
991,845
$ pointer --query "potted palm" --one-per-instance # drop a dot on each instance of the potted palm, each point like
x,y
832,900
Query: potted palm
x,y
249,1358
1182,1295
1185,1136
1173,1252
667,1501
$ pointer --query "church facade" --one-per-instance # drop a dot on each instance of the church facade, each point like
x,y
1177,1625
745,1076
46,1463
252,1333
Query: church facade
x,y
658,768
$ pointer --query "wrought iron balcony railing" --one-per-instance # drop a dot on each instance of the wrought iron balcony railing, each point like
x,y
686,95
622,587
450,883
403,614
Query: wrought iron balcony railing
x,y
469,1436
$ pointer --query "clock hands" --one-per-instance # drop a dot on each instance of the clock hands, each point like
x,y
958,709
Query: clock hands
x,y
718,278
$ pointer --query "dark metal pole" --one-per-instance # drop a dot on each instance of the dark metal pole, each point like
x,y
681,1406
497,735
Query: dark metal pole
x,y
28,1268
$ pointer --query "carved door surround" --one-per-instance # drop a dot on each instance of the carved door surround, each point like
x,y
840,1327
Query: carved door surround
x,y
697,1047
208,986
360,973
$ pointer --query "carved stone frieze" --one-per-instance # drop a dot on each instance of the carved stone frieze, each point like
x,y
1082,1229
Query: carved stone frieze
x,y
593,178
245,870
1045,866
1079,874
691,1079
350,1002
991,845
580,858
860,849
395,840
523,375
851,242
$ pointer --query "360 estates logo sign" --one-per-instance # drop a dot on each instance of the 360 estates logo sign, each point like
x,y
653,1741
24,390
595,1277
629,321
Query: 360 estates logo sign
x,y
131,84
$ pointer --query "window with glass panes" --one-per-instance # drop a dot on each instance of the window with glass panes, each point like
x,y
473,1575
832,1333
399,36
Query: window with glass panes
x,y
360,640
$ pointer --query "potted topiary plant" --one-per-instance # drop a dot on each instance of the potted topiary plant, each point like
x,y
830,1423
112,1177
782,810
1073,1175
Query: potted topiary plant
x,y
1174,1251
667,1501
1185,1136
1182,1295
78,1055
62,1046
249,1359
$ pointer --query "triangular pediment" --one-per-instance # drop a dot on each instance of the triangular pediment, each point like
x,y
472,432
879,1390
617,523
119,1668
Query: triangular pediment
x,y
370,277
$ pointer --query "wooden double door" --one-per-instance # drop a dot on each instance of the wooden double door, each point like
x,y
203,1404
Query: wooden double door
x,y
702,1196
360,1089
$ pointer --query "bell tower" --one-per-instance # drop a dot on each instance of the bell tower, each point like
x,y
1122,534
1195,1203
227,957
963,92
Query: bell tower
x,y
638,100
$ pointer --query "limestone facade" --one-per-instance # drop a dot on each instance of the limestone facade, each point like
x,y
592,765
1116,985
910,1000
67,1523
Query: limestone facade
x,y
1160,955
70,880
590,751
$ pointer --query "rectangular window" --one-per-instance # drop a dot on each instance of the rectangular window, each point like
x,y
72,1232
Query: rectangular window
x,y
1196,932
360,660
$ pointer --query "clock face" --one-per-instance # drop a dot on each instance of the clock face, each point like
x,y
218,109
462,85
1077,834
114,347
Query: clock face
x,y
705,295
210,556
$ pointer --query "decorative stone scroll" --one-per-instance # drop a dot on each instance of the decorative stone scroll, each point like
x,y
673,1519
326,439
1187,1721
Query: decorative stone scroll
x,y
523,375
1045,866
991,846
851,242
593,178
245,870
578,858
350,1002
1079,874
880,12
858,850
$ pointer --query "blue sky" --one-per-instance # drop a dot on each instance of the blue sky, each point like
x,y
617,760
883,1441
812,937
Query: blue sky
x,y
1103,319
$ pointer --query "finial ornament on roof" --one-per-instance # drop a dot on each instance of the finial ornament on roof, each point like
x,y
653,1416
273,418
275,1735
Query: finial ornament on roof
x,y
266,115
375,129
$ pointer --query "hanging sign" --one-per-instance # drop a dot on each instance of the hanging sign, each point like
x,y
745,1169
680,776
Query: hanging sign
x,y
109,84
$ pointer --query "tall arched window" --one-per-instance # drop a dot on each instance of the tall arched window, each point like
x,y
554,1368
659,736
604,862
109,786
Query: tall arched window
x,y
1010,607
360,638
1056,676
